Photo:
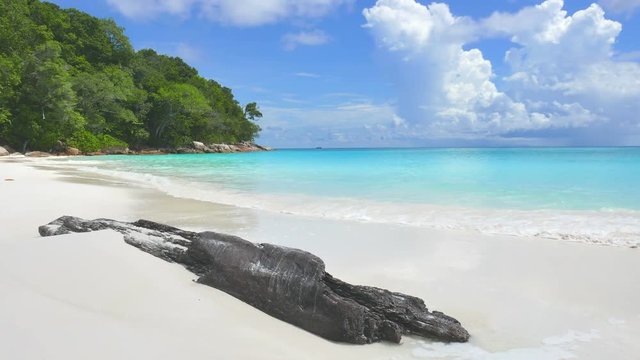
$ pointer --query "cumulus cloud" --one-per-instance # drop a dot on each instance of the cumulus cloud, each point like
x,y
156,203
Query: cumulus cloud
x,y
563,73
291,41
233,12
620,6
453,87
570,59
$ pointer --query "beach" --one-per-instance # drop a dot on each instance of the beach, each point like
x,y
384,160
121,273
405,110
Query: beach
x,y
93,296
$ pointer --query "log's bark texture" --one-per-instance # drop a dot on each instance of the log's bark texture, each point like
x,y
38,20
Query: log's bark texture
x,y
289,284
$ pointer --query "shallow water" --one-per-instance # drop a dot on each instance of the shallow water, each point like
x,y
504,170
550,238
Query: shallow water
x,y
581,194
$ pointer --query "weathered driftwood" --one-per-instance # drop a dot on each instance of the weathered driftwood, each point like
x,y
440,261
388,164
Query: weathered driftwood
x,y
289,284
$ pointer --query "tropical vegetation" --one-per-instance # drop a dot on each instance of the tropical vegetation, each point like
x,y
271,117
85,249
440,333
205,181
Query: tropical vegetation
x,y
69,78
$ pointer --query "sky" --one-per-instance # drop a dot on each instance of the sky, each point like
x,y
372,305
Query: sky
x,y
401,73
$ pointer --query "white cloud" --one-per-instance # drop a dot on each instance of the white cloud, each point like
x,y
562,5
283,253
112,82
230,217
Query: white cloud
x,y
189,53
347,124
459,96
233,12
410,26
570,59
307,75
563,73
628,56
552,41
291,41
620,6
152,8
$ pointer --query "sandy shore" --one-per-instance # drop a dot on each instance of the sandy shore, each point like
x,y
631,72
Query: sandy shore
x,y
91,296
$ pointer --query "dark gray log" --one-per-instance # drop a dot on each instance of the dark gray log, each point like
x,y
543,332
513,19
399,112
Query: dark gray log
x,y
289,284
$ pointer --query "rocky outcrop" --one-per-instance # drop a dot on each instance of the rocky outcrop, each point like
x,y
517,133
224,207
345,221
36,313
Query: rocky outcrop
x,y
184,150
263,148
289,284
37,154
116,150
9,149
199,147
221,148
71,151
151,152
195,148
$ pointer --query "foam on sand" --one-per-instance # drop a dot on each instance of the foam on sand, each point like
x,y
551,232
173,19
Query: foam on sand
x,y
616,227
552,348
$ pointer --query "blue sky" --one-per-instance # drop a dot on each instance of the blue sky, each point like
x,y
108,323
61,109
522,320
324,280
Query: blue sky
x,y
348,73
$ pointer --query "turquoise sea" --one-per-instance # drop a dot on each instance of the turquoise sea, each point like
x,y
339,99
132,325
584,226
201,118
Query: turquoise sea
x,y
583,194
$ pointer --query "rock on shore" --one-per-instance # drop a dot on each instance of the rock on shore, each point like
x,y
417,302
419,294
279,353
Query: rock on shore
x,y
289,284
71,151
195,148
198,147
37,154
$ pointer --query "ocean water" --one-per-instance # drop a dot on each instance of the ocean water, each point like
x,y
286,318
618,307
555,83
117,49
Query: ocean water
x,y
579,194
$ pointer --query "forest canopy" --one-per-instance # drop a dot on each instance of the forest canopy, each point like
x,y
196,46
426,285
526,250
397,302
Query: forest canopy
x,y
67,77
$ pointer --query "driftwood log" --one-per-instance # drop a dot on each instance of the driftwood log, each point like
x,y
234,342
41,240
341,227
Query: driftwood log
x,y
289,284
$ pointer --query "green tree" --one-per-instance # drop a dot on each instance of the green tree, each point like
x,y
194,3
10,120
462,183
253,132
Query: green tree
x,y
17,36
87,42
251,111
9,78
106,101
46,101
68,76
177,109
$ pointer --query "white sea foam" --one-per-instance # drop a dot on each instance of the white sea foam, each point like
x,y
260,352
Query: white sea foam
x,y
606,227
552,348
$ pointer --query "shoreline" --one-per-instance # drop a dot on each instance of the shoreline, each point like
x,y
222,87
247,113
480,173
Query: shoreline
x,y
604,227
196,147
518,296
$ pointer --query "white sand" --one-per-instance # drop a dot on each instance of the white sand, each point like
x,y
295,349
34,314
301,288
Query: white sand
x,y
91,296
